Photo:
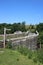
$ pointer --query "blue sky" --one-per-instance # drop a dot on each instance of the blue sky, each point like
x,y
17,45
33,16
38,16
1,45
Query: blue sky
x,y
30,11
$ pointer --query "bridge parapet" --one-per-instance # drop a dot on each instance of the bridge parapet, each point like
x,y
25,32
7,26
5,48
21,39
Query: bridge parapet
x,y
30,41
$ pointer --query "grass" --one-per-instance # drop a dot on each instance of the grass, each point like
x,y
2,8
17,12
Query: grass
x,y
11,57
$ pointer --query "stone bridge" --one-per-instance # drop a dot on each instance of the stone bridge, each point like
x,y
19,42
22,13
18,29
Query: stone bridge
x,y
29,41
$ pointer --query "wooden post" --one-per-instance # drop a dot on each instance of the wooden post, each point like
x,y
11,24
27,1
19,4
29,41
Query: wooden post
x,y
4,36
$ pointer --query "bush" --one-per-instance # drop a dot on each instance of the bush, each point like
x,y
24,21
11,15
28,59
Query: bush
x,y
35,60
9,45
23,50
40,55
37,55
17,59
30,54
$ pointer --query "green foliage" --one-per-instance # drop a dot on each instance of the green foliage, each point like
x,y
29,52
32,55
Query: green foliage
x,y
39,27
9,45
30,54
40,38
35,60
17,59
23,50
40,55
14,27
12,57
37,55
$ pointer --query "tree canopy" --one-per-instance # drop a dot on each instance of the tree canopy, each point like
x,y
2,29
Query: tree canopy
x,y
14,27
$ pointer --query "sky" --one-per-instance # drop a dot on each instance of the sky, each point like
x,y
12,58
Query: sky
x,y
14,11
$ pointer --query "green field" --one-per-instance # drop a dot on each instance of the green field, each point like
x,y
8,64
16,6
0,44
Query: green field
x,y
11,57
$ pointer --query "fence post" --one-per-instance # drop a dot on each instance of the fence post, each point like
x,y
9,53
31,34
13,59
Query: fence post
x,y
4,36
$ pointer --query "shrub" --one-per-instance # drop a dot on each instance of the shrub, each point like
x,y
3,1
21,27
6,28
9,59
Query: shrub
x,y
30,54
17,59
40,55
23,50
9,45
35,60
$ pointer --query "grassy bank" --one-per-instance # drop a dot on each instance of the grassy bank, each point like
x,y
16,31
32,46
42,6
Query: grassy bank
x,y
11,57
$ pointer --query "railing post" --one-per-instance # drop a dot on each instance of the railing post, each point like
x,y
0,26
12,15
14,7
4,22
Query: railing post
x,y
4,36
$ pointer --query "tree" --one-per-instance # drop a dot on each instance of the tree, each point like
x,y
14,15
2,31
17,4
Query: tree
x,y
23,26
40,27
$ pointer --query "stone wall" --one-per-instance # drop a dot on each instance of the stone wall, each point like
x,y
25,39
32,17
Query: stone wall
x,y
1,44
30,43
